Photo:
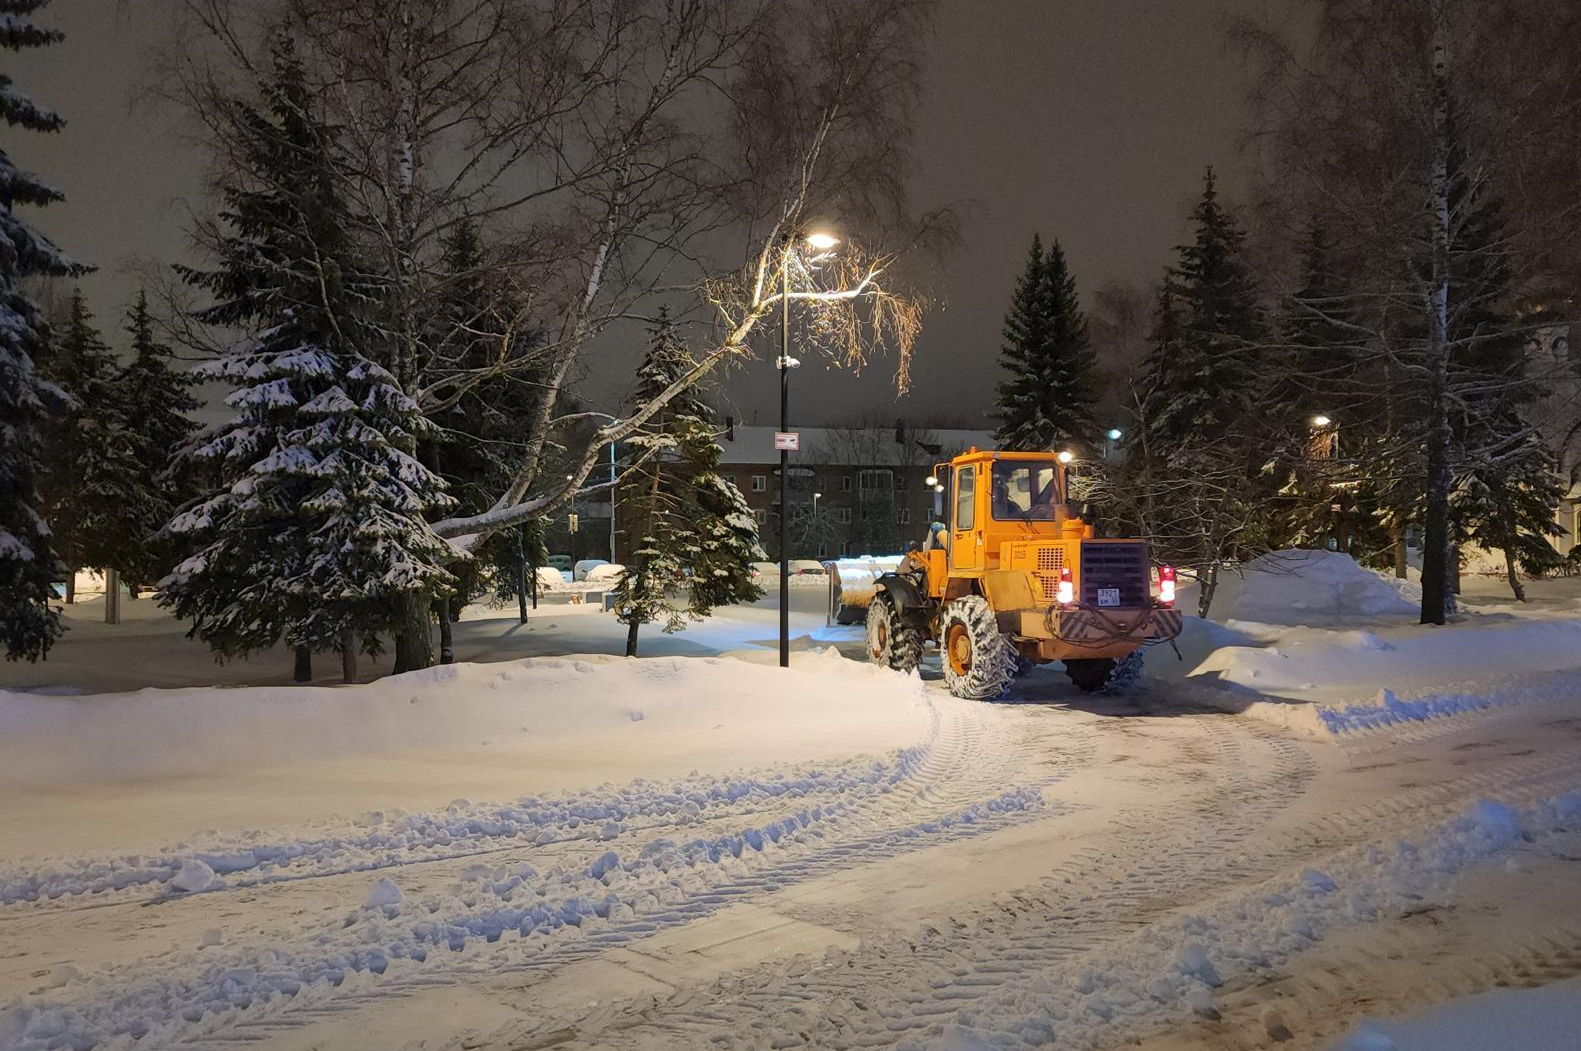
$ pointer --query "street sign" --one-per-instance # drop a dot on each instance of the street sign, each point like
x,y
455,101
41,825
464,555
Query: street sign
x,y
787,441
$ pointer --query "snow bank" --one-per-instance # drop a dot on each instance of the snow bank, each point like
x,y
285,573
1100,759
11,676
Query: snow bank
x,y
215,757
1308,587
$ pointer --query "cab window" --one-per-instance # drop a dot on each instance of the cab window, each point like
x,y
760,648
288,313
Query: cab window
x,y
1026,491
965,482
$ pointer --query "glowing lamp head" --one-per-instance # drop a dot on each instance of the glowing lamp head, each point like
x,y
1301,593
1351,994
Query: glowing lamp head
x,y
822,241
1114,434
1066,456
1065,591
1321,420
933,479
1166,585
938,488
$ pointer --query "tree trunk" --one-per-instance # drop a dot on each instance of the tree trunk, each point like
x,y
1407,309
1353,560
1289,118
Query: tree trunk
x,y
1438,602
303,671
348,656
112,596
71,586
631,637
1207,584
447,648
1514,579
412,649
1397,535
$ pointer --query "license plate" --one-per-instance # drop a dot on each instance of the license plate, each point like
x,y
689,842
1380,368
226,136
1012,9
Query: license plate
x,y
1108,596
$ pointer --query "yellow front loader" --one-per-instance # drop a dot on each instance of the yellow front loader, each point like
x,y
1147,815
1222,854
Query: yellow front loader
x,y
1016,578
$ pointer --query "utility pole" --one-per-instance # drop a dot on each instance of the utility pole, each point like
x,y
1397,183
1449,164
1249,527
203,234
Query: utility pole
x,y
785,367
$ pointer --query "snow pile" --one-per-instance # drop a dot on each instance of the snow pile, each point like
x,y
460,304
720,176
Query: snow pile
x,y
1390,709
1308,587
495,731
1170,971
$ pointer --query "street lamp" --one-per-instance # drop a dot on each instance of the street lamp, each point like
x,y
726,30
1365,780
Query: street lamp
x,y
819,241
1112,435
1065,456
1321,420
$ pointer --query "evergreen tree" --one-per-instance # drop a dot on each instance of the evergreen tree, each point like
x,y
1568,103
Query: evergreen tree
x,y
1506,488
315,532
1333,495
1203,444
28,402
695,534
1207,379
1046,402
92,488
159,403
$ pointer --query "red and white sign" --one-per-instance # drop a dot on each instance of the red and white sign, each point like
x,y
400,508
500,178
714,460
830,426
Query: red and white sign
x,y
787,441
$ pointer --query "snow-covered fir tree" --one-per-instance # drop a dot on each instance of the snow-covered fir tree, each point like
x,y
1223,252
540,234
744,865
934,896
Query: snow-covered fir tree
x,y
1046,401
316,529
694,536
28,402
94,493
159,402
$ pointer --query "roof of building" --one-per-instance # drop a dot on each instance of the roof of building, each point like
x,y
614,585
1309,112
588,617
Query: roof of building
x,y
855,446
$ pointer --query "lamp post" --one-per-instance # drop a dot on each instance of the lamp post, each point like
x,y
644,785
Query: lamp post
x,y
816,532
821,242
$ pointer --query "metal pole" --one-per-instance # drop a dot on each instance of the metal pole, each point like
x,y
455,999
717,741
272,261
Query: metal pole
x,y
612,557
785,460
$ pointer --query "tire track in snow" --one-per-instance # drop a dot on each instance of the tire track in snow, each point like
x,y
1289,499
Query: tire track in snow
x,y
885,995
959,785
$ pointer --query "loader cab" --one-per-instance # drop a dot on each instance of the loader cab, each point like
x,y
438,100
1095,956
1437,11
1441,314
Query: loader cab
x,y
996,498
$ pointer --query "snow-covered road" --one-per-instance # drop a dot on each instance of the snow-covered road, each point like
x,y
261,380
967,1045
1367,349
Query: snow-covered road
x,y
1081,874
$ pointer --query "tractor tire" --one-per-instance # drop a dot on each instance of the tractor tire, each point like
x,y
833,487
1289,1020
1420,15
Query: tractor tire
x,y
891,641
1126,671
979,662
1105,674
1090,674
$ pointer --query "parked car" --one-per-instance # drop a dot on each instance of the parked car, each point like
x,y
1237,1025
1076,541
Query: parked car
x,y
560,562
605,573
765,570
579,571
807,567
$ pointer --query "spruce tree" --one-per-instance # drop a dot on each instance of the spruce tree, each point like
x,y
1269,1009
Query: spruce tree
x,y
693,533
28,402
1506,482
1211,374
159,401
1203,444
316,531
1046,401
93,491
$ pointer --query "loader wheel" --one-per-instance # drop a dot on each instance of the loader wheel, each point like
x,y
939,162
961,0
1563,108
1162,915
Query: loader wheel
x,y
979,662
890,640
1105,673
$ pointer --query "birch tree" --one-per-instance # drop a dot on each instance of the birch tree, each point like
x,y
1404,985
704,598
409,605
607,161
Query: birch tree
x,y
619,155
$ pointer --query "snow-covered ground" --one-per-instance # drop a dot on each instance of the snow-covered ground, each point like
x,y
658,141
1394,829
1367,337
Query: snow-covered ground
x,y
549,846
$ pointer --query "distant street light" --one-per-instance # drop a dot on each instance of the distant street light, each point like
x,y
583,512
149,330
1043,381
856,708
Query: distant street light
x,y
1115,434
1321,421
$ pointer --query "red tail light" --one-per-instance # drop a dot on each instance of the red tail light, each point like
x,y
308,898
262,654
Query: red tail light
x,y
1166,585
1065,594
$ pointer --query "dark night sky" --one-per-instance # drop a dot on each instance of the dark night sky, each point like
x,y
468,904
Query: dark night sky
x,y
1087,120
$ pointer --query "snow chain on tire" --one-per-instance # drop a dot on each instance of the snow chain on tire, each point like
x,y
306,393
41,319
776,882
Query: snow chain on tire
x,y
1126,671
890,640
979,662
